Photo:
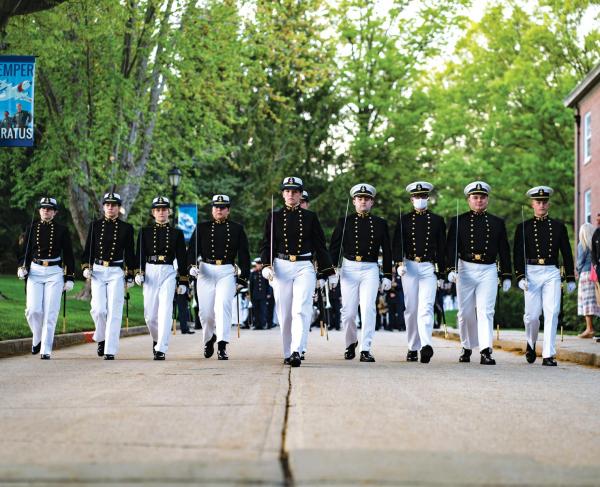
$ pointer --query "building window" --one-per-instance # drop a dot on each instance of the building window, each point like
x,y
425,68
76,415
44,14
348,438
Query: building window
x,y
587,206
587,137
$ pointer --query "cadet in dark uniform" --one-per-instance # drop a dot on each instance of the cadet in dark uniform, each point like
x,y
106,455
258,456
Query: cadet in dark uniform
x,y
48,264
212,262
260,292
297,237
109,261
480,243
420,252
538,274
158,246
360,241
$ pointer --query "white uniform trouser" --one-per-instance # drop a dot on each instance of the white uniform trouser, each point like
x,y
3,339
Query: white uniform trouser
x,y
44,289
216,289
476,290
108,295
359,283
420,286
159,290
542,295
293,286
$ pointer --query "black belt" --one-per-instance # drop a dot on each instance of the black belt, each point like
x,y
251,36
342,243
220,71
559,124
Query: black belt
x,y
477,259
542,261
218,261
360,258
158,259
108,263
47,263
416,258
294,258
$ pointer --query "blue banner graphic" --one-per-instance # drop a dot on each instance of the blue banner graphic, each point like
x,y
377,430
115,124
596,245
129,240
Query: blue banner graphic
x,y
187,218
17,79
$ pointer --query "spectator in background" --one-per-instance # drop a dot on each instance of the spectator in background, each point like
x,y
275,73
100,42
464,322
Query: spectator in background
x,y
587,304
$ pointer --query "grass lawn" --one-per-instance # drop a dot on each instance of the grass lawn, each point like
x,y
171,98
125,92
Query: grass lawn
x,y
12,310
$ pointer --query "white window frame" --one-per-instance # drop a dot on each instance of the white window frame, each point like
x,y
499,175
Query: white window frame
x,y
587,206
587,137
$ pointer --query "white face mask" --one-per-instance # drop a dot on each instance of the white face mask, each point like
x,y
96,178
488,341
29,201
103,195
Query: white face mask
x,y
420,203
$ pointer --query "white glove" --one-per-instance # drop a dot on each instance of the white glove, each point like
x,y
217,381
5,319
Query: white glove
x,y
440,283
250,305
87,273
267,273
333,279
386,285
452,276
321,283
21,272
129,283
523,284
194,271
181,289
401,270
506,284
571,286
139,279
68,285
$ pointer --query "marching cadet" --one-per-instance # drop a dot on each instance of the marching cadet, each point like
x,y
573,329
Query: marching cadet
x,y
473,251
212,252
109,261
48,265
419,250
305,200
260,293
360,237
538,241
287,253
158,246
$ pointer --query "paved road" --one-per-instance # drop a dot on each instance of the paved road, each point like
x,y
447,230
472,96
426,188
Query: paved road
x,y
81,420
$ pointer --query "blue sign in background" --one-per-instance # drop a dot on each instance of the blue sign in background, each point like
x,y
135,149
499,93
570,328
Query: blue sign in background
x,y
17,80
187,218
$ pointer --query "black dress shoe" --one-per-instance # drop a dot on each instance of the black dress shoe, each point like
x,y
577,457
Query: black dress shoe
x,y
209,347
36,349
302,356
412,356
295,360
286,361
530,354
366,357
188,332
486,357
465,356
46,356
350,352
100,348
222,353
197,327
426,354
153,351
159,356
109,357
545,361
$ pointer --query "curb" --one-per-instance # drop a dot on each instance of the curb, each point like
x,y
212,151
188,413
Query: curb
x,y
581,358
21,346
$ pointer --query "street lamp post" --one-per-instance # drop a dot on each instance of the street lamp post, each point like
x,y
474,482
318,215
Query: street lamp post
x,y
174,179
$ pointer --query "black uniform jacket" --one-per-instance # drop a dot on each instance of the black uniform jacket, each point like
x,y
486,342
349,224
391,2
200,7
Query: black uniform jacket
x,y
219,242
161,244
109,241
544,239
296,231
364,237
421,236
481,239
48,240
259,286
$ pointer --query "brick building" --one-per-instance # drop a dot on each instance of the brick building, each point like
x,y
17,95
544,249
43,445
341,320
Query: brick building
x,y
585,101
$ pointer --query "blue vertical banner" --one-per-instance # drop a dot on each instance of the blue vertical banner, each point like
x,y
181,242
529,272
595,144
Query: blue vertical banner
x,y
187,218
17,80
